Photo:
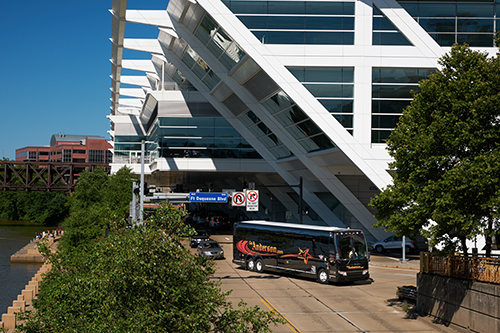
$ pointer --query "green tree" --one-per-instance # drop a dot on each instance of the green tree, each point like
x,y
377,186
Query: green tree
x,y
446,153
139,280
100,201
48,208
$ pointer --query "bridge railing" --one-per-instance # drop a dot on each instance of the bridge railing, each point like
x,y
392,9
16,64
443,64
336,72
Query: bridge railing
x,y
473,267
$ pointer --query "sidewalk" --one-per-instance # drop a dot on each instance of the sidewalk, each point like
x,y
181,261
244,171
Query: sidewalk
x,y
393,260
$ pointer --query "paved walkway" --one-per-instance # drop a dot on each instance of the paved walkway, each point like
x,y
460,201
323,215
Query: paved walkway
x,y
394,260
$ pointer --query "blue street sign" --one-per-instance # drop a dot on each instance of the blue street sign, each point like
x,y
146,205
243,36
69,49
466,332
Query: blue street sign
x,y
214,197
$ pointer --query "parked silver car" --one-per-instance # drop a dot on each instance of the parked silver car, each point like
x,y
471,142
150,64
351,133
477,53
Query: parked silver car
x,y
210,248
395,243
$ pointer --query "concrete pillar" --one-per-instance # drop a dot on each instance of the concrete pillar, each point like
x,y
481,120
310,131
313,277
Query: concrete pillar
x,y
30,287
20,297
28,296
20,304
38,277
34,283
9,321
13,309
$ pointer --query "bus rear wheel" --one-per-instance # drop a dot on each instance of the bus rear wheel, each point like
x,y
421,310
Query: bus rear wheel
x,y
250,264
322,276
259,266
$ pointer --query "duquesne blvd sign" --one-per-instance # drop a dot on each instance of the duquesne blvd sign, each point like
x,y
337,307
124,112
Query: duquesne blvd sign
x,y
215,197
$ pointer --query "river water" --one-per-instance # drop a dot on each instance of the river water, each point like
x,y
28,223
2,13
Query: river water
x,y
14,235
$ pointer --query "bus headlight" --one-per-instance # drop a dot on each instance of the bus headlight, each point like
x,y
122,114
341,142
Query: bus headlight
x,y
365,272
343,273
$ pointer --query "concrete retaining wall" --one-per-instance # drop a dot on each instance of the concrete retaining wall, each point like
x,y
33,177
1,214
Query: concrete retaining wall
x,y
464,304
30,252
24,301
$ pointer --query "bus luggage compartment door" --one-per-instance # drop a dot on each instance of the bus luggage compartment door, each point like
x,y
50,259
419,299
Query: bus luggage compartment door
x,y
280,263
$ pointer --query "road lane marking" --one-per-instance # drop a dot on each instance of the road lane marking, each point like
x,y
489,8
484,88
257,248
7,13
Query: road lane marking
x,y
273,309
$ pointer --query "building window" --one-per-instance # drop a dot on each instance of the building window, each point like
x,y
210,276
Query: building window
x,y
384,32
449,22
297,22
295,121
66,155
96,156
219,43
200,68
333,87
391,93
200,137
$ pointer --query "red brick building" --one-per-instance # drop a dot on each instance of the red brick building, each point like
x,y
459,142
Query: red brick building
x,y
69,148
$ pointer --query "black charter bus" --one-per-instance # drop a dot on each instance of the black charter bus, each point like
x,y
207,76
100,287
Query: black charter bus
x,y
327,253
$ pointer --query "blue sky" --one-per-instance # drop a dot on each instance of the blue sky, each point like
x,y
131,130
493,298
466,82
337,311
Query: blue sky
x,y
55,69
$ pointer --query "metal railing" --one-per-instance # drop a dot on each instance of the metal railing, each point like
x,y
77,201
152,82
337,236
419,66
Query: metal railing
x,y
473,267
134,158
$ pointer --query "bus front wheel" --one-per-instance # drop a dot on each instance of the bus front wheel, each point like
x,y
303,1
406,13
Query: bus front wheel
x,y
259,266
322,276
250,264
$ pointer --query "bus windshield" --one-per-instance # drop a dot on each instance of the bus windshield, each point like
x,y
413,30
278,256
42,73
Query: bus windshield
x,y
351,246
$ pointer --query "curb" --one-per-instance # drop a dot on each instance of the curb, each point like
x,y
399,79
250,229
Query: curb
x,y
394,266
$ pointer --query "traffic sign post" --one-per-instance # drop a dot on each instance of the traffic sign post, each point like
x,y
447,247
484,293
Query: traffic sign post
x,y
238,199
252,197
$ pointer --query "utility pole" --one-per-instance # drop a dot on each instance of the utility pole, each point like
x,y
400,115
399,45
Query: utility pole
x,y
141,190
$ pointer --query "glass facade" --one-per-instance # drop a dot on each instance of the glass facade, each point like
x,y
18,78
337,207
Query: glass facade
x,y
297,22
200,68
200,137
297,123
384,32
219,44
391,93
448,22
333,87
264,135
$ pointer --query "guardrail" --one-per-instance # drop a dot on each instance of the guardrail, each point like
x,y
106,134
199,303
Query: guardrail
x,y
473,267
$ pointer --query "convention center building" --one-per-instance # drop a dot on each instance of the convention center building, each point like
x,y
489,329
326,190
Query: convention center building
x,y
221,94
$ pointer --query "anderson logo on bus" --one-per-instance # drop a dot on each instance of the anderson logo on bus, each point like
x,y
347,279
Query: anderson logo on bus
x,y
354,267
247,247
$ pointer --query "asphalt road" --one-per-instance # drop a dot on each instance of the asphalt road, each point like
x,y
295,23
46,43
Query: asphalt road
x,y
368,306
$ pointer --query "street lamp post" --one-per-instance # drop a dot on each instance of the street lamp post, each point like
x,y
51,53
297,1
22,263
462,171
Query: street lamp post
x,y
141,190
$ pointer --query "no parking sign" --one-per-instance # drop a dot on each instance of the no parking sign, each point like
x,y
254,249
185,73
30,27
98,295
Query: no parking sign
x,y
252,197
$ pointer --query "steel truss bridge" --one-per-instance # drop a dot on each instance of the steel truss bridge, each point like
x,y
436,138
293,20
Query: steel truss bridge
x,y
43,176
